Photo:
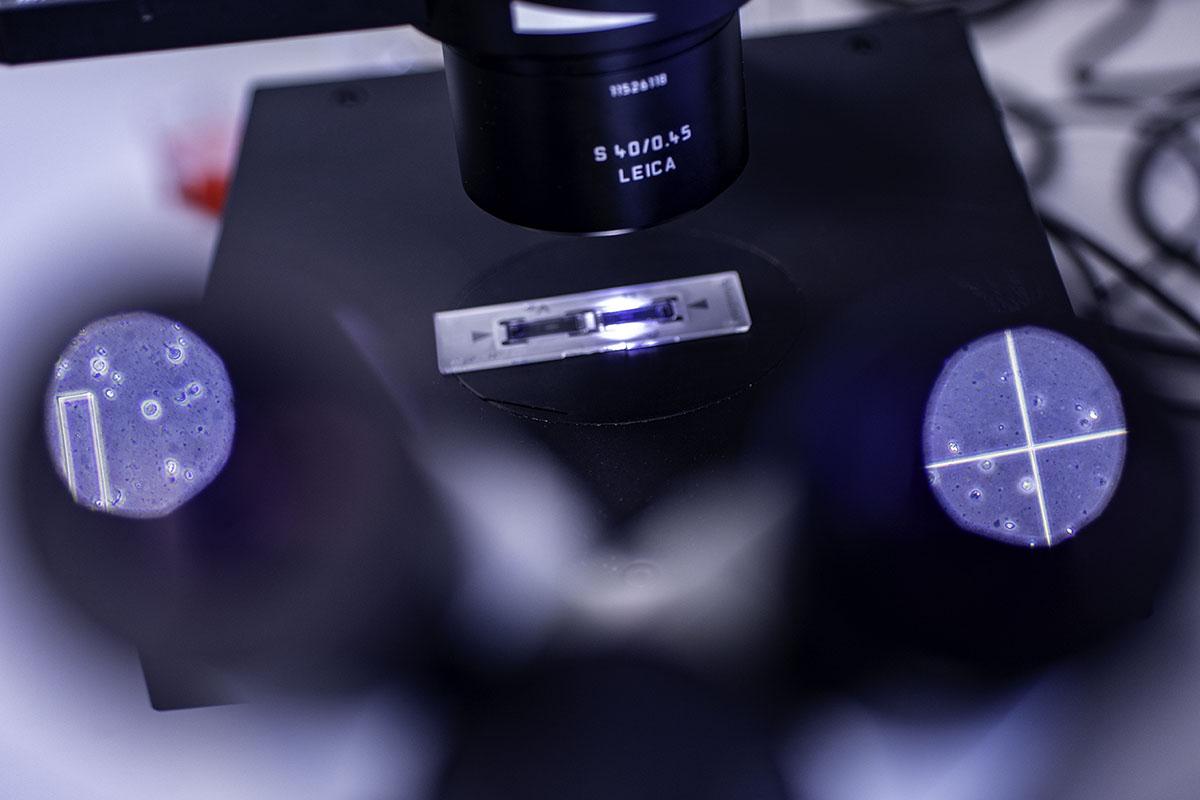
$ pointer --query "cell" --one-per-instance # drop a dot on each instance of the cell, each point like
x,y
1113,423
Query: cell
x,y
973,407
1069,414
994,502
1068,391
151,409
1079,481
117,442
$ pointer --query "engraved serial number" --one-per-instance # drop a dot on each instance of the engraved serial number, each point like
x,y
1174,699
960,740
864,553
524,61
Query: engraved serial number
x,y
639,86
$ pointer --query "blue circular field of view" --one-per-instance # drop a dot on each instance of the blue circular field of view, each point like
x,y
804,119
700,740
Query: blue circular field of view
x,y
139,415
1024,437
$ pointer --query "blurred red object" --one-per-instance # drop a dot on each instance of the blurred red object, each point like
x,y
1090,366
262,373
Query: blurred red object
x,y
201,160
207,193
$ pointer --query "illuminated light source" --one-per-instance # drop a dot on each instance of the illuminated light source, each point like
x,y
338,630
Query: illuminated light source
x,y
118,442
1024,437
620,318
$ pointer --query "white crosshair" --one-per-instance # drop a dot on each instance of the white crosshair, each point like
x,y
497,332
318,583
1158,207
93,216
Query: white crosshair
x,y
1031,449
64,439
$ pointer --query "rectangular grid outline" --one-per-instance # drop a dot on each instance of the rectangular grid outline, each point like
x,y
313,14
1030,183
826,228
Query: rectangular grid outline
x,y
1030,448
64,440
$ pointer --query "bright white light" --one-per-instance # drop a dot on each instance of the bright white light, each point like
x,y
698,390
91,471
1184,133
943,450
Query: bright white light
x,y
536,18
480,338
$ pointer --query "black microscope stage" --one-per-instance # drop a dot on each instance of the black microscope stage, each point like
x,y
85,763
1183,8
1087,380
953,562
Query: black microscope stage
x,y
878,168
881,224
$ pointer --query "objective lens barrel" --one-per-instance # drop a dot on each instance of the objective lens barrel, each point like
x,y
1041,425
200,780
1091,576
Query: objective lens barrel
x,y
602,143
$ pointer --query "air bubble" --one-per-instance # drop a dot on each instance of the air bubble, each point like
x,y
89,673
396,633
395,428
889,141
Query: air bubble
x,y
151,409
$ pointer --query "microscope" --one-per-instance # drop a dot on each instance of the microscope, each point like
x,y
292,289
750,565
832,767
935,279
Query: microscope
x,y
859,185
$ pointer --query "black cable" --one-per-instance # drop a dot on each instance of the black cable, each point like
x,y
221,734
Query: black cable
x,y
975,9
1154,345
1067,232
1043,128
1108,36
1071,239
1169,132
1100,294
1131,87
1129,338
